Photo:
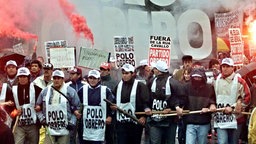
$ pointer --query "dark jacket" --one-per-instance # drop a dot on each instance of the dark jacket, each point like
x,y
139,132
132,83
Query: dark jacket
x,y
108,81
142,95
175,99
199,95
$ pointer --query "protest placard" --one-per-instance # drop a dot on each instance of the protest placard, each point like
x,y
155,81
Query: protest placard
x,y
62,57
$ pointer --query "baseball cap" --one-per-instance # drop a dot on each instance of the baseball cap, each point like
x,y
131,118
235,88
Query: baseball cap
x,y
227,61
48,66
23,71
76,70
58,73
94,73
105,65
161,66
128,68
11,62
143,62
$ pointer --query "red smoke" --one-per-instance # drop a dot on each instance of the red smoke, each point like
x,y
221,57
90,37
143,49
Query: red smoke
x,y
78,22
14,19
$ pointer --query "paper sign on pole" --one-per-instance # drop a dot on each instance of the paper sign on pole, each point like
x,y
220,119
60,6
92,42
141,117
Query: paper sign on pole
x,y
236,46
124,50
92,58
54,44
160,49
62,57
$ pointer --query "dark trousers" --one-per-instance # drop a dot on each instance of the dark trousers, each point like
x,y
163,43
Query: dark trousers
x,y
110,134
128,133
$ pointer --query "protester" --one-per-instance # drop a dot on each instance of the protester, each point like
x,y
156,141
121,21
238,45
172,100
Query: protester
x,y
187,61
213,70
108,81
35,69
106,78
96,113
6,135
11,68
115,72
165,92
58,104
232,94
42,82
25,95
131,96
143,71
200,96
75,75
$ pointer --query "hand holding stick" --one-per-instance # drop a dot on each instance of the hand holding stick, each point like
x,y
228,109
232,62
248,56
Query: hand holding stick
x,y
122,111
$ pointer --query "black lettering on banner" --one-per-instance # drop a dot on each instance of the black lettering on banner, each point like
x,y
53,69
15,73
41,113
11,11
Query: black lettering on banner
x,y
221,117
94,123
56,120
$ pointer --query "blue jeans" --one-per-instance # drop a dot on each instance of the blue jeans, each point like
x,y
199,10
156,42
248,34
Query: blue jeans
x,y
163,135
197,133
227,136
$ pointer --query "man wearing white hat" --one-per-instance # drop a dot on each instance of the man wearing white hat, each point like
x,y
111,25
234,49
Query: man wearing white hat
x,y
25,95
131,96
165,93
143,71
57,105
11,68
232,94
96,112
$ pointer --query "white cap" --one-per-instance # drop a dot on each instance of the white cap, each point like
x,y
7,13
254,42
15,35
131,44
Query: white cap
x,y
11,62
128,68
23,71
227,61
112,59
58,73
143,62
196,75
161,66
94,73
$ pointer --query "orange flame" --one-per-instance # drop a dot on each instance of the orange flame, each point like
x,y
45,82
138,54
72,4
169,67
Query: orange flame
x,y
252,30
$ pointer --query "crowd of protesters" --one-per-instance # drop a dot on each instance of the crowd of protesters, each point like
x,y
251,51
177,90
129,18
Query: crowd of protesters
x,y
126,105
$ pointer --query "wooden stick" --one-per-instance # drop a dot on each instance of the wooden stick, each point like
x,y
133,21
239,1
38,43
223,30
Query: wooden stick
x,y
15,124
123,112
160,112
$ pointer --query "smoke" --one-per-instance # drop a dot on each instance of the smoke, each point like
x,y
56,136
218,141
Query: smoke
x,y
78,22
23,19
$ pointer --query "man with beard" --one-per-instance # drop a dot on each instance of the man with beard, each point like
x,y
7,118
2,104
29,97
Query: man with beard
x,y
199,96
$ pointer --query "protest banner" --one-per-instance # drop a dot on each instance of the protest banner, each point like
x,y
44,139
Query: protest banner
x,y
236,46
62,57
18,48
160,49
124,50
92,58
54,44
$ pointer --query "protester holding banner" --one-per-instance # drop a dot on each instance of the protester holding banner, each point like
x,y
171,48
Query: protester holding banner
x,y
43,81
165,92
96,113
199,96
131,96
25,95
233,94
58,104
